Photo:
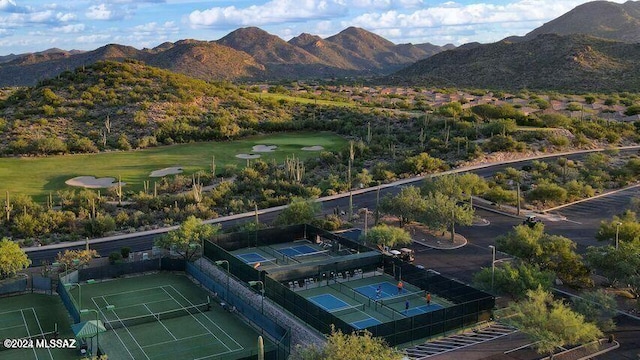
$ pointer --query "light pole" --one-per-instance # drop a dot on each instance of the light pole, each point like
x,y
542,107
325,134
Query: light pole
x,y
254,283
617,234
493,264
366,216
219,263
84,311
89,281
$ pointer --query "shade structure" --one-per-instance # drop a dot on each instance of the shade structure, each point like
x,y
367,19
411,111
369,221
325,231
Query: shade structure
x,y
87,329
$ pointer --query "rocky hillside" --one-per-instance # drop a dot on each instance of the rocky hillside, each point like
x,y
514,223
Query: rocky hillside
x,y
572,63
119,105
602,19
246,53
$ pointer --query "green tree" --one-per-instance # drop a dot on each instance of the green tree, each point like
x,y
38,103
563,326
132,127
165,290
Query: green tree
x,y
618,265
459,186
353,346
443,212
188,238
299,211
408,205
625,225
598,307
549,323
387,236
551,252
12,259
514,281
547,193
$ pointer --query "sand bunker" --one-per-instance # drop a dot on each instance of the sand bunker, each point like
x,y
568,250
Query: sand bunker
x,y
264,148
313,148
166,171
248,156
90,182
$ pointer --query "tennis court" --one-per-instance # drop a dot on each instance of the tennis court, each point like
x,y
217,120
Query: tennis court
x,y
165,316
34,316
357,314
386,293
370,300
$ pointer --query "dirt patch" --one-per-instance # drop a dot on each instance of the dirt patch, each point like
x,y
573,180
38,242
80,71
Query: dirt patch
x,y
166,171
91,182
264,148
313,148
248,156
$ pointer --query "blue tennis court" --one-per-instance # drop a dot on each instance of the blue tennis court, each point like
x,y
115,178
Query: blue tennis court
x,y
387,290
363,324
328,302
335,305
298,250
423,309
251,258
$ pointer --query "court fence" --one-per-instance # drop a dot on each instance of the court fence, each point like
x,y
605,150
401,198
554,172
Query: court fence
x,y
125,268
469,305
67,300
281,335
26,283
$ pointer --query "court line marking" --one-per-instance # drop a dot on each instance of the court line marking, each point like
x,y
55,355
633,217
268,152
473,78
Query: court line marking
x,y
129,332
12,327
41,331
145,303
131,291
114,330
240,347
197,320
170,341
160,321
24,321
335,310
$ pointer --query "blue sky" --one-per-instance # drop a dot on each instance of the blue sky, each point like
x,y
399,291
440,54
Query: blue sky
x,y
36,25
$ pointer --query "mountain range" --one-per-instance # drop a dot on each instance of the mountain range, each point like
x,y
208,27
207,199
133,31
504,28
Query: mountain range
x,y
593,47
246,53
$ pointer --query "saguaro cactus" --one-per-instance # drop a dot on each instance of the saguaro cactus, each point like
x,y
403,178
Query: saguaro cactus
x,y
8,207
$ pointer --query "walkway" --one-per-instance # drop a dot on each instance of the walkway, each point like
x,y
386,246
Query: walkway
x,y
458,341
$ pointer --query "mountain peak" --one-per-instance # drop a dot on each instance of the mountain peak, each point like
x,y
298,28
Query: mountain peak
x,y
604,19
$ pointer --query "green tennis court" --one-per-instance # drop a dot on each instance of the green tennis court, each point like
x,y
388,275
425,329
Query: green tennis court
x,y
34,316
164,316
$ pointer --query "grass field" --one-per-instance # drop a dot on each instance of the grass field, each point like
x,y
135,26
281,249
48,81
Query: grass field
x,y
29,315
40,175
304,100
145,319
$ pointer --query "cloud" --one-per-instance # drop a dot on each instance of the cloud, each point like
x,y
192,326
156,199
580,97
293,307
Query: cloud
x,y
105,12
487,19
154,29
95,38
272,12
69,29
11,7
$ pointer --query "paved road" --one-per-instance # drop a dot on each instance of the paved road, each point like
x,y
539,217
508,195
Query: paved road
x,y
360,200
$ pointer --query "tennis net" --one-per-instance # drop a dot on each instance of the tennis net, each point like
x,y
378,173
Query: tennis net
x,y
319,253
402,298
159,316
265,262
351,292
285,258
348,310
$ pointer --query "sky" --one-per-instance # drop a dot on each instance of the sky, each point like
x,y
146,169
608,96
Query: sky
x,y
37,25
